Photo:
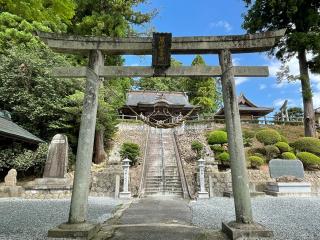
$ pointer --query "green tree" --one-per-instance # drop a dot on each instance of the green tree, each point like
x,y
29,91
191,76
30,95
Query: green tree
x,y
55,14
163,83
109,18
203,91
295,112
301,19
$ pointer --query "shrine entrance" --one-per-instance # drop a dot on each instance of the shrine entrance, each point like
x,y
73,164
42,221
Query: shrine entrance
x,y
161,46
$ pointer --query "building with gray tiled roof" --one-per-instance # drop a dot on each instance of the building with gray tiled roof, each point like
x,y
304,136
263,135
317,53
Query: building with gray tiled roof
x,y
10,130
159,104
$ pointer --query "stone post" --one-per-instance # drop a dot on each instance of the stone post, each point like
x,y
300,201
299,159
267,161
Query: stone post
x,y
202,193
125,193
240,183
80,192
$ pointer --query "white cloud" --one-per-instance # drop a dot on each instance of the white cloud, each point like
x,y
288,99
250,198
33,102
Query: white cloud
x,y
293,64
235,61
221,24
240,80
262,86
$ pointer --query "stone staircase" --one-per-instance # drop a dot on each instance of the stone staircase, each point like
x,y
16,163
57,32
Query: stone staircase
x,y
162,175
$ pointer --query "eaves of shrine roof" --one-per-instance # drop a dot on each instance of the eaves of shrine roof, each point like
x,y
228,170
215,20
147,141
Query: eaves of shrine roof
x,y
11,130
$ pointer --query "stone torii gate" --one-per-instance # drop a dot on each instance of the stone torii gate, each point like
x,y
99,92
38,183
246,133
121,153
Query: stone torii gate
x,y
97,47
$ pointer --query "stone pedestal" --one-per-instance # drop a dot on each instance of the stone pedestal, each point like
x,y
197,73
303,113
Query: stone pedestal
x,y
236,230
75,231
125,195
302,189
49,184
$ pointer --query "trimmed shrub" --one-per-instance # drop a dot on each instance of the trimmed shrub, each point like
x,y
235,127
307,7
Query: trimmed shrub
x,y
308,159
248,137
197,147
283,146
131,151
308,144
288,155
255,151
284,139
271,152
224,157
217,137
268,136
217,148
256,161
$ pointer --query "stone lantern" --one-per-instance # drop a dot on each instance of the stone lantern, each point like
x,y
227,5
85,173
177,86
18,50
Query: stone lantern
x,y
202,194
125,193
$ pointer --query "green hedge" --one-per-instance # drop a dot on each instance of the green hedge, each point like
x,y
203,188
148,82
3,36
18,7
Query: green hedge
x,y
308,144
283,146
288,155
268,136
308,159
217,137
284,139
256,161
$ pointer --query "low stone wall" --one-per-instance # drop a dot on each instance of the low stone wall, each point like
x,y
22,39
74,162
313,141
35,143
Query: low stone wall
x,y
46,194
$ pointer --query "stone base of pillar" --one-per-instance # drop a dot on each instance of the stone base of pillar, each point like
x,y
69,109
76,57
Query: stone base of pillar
x,y
236,230
78,230
203,195
125,195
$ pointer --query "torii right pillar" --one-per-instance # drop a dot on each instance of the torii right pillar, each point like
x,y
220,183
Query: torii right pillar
x,y
243,227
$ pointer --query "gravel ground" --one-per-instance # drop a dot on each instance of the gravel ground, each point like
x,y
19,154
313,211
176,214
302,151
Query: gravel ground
x,y
289,218
31,219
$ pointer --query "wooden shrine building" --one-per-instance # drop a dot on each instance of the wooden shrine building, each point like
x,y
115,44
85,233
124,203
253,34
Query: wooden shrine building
x,y
317,115
159,105
247,109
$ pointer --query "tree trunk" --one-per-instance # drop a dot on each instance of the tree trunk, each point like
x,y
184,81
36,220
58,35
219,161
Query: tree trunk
x,y
99,154
309,118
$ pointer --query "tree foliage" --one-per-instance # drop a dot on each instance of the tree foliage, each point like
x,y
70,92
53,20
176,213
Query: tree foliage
x,y
301,19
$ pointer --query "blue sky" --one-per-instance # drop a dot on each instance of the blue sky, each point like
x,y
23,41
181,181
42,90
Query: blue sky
x,y
210,17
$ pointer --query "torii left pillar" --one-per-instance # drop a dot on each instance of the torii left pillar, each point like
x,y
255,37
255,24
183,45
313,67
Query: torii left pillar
x,y
77,224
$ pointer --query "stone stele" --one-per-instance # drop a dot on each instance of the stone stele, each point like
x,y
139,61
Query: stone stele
x,y
57,159
11,178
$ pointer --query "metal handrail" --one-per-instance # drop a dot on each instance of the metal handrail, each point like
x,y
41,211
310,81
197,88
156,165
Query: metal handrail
x,y
184,184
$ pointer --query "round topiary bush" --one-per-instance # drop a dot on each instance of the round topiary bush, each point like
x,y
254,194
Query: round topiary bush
x,y
308,144
308,159
271,152
224,157
256,161
288,155
268,136
217,137
283,146
217,148
284,139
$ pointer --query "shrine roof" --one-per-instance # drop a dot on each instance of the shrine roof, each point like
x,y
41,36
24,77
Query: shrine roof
x,y
10,129
136,98
317,110
245,105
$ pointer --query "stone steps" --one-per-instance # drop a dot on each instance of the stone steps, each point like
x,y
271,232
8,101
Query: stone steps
x,y
154,164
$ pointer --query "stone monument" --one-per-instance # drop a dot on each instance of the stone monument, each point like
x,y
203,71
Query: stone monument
x,y
10,188
125,193
289,175
57,158
55,171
